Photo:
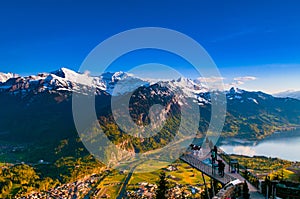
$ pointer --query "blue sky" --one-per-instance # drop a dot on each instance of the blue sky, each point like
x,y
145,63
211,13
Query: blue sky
x,y
257,39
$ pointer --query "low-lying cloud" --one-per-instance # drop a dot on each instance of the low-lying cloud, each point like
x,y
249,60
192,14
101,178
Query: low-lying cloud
x,y
237,81
245,78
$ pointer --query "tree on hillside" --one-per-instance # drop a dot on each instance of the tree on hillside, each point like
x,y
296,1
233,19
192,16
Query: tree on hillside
x,y
162,188
246,194
211,144
281,174
23,174
206,140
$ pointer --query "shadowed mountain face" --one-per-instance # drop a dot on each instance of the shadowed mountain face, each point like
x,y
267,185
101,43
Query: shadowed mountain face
x,y
39,108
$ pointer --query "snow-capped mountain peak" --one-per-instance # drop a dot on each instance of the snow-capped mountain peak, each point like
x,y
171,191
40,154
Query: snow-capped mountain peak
x,y
125,81
189,86
65,73
115,76
5,76
234,90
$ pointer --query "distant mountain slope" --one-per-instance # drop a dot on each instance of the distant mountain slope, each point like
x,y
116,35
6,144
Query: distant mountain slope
x,y
291,94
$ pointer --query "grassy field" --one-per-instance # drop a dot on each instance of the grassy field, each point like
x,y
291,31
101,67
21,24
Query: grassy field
x,y
274,167
112,183
282,173
184,174
295,176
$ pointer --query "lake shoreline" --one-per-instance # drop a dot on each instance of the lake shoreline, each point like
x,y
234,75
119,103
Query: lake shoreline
x,y
282,145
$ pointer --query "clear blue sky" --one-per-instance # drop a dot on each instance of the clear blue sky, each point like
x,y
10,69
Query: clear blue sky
x,y
245,38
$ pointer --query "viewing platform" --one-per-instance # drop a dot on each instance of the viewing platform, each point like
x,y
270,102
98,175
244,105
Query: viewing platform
x,y
200,163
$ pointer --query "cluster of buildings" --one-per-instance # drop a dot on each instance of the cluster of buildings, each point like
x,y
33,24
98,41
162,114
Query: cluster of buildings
x,y
78,189
179,191
37,195
9,148
147,191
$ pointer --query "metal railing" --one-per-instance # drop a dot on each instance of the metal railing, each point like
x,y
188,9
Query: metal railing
x,y
243,170
206,169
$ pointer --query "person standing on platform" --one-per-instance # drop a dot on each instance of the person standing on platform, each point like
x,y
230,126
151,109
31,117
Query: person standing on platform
x,y
215,149
222,168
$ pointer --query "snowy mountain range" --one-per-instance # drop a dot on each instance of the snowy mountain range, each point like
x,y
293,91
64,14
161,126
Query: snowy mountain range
x,y
67,80
59,80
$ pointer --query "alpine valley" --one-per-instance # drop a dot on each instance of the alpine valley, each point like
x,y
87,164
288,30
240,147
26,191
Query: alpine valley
x,y
38,108
43,155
